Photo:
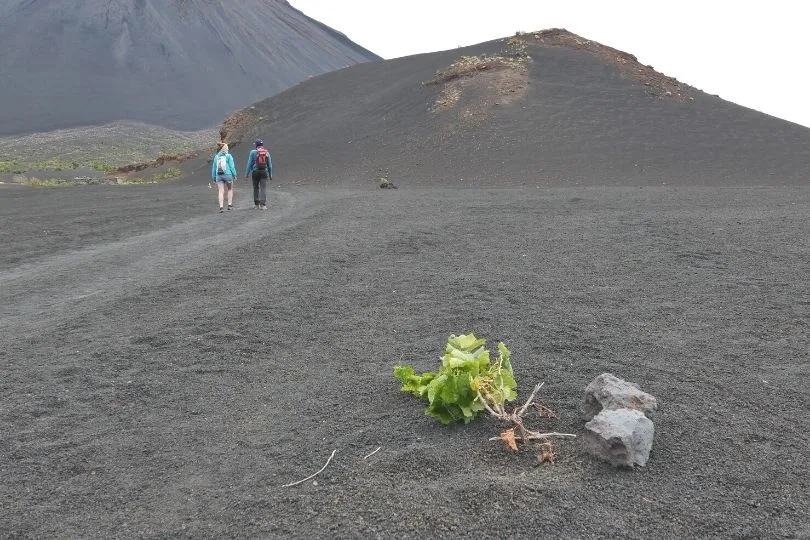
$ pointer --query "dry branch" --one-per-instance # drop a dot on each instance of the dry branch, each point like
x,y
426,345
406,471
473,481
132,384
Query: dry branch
x,y
310,477
516,417
374,452
535,436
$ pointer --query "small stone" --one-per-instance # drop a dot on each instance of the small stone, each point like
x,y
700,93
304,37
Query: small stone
x,y
621,437
610,392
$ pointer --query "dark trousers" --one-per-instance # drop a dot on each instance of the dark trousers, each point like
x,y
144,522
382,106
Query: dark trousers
x,y
260,187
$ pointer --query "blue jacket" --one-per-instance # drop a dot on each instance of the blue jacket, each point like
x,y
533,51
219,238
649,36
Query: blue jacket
x,y
252,163
231,165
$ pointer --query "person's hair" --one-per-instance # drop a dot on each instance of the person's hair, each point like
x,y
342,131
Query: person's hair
x,y
222,146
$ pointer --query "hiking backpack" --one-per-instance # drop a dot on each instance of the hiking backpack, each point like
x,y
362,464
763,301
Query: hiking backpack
x,y
222,164
261,159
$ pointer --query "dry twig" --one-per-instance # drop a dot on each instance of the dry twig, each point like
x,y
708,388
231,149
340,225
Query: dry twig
x,y
530,401
516,417
533,436
374,452
312,475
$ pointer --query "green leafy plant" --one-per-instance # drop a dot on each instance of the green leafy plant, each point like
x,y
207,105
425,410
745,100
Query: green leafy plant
x,y
466,372
468,382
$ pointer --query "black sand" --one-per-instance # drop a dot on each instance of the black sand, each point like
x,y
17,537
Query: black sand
x,y
167,369
166,374
576,117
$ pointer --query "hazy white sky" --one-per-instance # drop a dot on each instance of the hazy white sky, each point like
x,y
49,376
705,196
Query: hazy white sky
x,y
756,54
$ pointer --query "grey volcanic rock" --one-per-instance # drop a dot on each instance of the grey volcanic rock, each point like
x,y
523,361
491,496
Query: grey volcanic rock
x,y
183,64
610,392
621,437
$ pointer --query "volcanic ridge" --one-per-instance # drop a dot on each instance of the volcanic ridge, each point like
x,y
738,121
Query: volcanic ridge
x,y
543,108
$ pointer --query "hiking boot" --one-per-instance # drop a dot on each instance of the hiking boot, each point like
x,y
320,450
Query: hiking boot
x,y
263,207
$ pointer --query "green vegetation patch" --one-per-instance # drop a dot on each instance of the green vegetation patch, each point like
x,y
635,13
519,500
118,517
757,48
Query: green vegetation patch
x,y
99,165
11,167
168,174
43,183
60,164
53,164
103,148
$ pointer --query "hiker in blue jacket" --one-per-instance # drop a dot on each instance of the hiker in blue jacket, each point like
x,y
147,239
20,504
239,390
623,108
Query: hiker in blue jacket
x,y
260,166
223,172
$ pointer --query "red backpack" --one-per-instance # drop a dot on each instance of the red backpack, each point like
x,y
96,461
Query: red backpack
x,y
261,159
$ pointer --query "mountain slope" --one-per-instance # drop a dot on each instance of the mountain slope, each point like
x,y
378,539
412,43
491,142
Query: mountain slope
x,y
548,108
182,64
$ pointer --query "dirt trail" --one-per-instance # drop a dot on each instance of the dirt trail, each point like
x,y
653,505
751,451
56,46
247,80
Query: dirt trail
x,y
68,285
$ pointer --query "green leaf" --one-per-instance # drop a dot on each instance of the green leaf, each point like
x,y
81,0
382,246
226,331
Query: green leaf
x,y
466,342
468,411
404,373
435,386
411,382
440,414
449,390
